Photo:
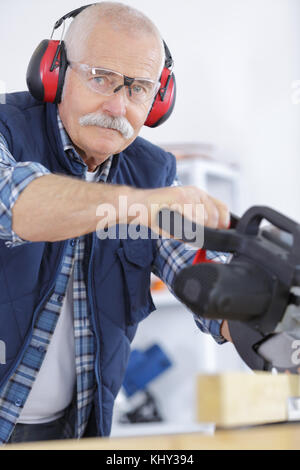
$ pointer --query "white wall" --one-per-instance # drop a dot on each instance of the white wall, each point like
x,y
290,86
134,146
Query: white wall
x,y
235,63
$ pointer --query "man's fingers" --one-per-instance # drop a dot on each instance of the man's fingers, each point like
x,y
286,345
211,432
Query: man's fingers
x,y
217,213
186,200
224,214
225,332
211,217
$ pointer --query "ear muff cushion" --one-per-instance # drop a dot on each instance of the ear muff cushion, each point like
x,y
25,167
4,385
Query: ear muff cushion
x,y
162,109
33,77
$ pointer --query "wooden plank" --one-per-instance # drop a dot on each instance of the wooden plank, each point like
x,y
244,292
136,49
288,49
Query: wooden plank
x,y
237,399
276,437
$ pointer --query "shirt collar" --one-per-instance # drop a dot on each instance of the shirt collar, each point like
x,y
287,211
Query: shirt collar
x,y
72,153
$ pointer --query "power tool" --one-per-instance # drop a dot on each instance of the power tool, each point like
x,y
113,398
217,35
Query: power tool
x,y
257,290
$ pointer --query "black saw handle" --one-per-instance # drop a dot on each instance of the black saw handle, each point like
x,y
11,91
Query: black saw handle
x,y
174,223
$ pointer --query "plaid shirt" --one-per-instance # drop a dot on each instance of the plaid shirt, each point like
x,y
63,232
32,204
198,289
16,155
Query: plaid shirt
x,y
171,257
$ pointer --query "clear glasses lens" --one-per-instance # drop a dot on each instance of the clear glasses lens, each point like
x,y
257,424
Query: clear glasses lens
x,y
107,83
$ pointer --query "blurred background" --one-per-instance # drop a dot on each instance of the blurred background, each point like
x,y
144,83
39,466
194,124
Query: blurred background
x,y
235,131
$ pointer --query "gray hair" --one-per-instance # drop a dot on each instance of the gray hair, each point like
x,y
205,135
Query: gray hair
x,y
120,17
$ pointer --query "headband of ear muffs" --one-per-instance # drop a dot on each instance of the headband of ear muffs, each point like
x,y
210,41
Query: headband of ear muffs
x,y
47,70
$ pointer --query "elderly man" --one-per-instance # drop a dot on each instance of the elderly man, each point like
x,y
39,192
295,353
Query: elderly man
x,y
70,302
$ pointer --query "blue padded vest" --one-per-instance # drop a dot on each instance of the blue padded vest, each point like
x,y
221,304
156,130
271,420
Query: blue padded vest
x,y
117,272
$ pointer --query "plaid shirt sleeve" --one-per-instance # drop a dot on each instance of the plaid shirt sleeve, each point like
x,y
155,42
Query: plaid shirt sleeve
x,y
173,256
14,178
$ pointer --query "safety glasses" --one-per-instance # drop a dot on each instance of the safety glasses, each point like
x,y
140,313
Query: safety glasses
x,y
107,82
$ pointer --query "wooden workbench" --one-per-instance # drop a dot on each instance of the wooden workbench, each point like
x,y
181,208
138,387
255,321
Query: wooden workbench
x,y
238,404
270,437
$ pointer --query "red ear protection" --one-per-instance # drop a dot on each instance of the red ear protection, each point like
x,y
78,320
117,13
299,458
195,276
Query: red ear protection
x,y
47,70
164,101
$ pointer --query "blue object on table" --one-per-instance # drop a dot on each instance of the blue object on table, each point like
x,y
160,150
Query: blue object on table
x,y
143,367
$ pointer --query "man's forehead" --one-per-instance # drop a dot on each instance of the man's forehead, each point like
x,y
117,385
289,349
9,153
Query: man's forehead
x,y
131,54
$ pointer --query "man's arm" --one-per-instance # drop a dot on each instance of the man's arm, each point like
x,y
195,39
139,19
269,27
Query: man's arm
x,y
14,178
36,205
54,208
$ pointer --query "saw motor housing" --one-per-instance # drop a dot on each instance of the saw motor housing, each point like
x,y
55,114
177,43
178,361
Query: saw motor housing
x,y
256,291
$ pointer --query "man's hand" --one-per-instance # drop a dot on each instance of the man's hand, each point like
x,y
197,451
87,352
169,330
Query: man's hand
x,y
216,213
225,331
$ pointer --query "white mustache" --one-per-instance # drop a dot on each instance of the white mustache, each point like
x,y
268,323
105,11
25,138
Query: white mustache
x,y
120,124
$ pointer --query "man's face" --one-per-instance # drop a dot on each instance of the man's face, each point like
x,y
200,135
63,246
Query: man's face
x,y
121,52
